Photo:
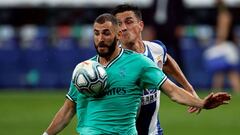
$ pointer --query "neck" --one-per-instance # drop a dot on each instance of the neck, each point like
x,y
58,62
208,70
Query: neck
x,y
138,46
105,60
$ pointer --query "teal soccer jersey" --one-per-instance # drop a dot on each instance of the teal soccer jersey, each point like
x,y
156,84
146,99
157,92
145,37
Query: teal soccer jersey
x,y
81,105
115,113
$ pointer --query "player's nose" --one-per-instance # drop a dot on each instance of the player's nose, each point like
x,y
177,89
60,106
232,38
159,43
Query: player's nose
x,y
123,27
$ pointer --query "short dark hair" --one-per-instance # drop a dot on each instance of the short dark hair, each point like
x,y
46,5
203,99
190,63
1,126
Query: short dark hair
x,y
127,7
106,17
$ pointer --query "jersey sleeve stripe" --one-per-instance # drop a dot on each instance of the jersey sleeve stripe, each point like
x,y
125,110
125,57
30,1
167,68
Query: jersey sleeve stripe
x,y
68,97
163,80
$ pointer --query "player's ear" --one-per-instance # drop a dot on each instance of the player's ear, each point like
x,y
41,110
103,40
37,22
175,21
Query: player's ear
x,y
141,25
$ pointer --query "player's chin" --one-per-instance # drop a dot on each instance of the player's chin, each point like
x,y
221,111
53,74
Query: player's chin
x,y
125,39
103,52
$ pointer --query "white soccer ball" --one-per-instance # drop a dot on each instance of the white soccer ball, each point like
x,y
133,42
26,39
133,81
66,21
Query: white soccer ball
x,y
90,78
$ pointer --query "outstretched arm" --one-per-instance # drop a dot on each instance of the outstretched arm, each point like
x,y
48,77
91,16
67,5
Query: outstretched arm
x,y
181,96
62,118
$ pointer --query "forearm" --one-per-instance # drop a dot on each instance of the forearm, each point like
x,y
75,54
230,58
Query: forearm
x,y
172,68
183,97
61,120
181,79
180,96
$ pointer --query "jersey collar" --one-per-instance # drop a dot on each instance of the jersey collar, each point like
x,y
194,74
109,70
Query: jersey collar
x,y
113,60
148,52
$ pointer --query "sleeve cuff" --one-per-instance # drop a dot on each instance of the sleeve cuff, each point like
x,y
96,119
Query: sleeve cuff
x,y
161,83
68,97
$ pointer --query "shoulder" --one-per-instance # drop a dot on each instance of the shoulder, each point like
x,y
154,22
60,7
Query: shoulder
x,y
127,51
133,55
94,58
155,44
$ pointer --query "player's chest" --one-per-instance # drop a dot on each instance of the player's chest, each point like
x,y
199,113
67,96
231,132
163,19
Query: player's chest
x,y
123,74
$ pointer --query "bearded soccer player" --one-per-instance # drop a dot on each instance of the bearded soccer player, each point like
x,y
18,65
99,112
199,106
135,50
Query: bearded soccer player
x,y
128,74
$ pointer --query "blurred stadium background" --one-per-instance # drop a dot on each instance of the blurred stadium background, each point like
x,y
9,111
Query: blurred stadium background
x,y
41,41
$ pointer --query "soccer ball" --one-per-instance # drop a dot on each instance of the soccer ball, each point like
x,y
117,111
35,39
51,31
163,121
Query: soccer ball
x,y
90,78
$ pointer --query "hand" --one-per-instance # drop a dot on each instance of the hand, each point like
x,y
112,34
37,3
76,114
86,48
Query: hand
x,y
215,100
194,109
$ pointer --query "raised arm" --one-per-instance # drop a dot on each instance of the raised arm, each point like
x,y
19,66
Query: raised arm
x,y
62,118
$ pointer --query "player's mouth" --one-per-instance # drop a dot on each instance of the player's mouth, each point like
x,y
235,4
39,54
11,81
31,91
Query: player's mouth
x,y
124,34
100,48
102,45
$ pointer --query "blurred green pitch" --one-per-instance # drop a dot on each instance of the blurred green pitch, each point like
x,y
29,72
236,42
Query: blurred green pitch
x,y
29,113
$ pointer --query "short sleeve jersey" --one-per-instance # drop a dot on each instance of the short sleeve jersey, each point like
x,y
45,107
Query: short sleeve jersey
x,y
115,112
147,120
81,105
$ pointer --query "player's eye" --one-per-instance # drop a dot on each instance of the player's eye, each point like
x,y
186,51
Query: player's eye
x,y
129,21
96,33
119,23
107,33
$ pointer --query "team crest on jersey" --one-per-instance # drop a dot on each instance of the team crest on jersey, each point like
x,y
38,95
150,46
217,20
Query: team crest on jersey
x,y
122,72
159,62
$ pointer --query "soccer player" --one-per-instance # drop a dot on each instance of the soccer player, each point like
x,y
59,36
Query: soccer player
x,y
128,74
131,26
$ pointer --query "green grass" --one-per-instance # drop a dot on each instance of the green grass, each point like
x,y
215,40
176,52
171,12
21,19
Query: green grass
x,y
30,112
224,120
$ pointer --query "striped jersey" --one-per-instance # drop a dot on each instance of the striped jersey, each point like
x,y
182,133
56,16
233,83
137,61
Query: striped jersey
x,y
148,121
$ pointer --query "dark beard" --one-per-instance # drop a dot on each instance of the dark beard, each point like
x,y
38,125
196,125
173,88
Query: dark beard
x,y
110,51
